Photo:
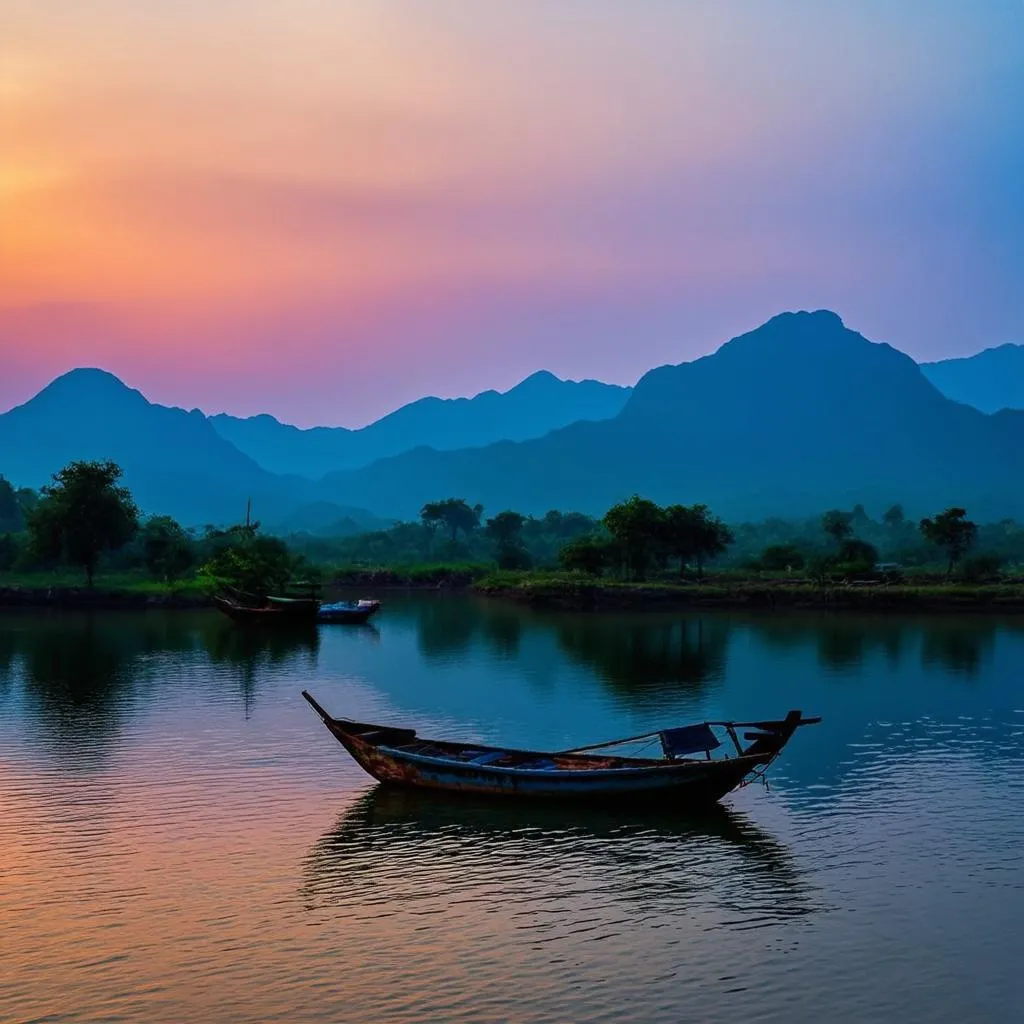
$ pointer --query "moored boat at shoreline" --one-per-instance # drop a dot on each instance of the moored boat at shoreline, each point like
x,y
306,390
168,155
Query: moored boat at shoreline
x,y
348,613
265,609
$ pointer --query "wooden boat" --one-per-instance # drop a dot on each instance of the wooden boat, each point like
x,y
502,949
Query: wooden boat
x,y
272,611
303,607
399,756
348,612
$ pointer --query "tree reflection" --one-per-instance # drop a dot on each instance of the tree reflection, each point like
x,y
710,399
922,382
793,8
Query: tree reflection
x,y
8,653
446,627
841,647
252,651
77,678
83,671
844,642
503,629
645,656
957,646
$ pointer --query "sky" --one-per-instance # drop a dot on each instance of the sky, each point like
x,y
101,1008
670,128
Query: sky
x,y
323,209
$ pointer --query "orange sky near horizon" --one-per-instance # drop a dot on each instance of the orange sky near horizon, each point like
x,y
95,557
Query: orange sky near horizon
x,y
455,176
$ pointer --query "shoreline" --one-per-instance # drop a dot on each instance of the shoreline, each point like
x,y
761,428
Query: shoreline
x,y
568,595
114,597
577,595
103,598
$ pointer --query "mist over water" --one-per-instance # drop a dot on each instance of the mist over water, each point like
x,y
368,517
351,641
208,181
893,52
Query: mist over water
x,y
180,837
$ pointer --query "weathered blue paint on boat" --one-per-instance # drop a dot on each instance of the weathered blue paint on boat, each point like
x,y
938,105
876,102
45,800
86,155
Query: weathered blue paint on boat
x,y
399,756
348,613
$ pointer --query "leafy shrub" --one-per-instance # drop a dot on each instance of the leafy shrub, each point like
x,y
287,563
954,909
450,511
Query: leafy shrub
x,y
779,557
586,554
981,567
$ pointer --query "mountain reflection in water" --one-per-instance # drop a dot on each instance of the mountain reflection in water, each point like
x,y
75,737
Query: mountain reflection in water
x,y
172,847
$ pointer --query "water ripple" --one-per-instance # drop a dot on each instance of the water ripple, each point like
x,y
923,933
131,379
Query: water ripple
x,y
181,839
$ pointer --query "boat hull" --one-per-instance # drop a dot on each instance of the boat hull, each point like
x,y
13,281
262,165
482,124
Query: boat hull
x,y
684,783
347,616
693,784
270,615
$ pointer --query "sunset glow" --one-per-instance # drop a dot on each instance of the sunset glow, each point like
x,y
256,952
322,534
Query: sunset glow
x,y
321,210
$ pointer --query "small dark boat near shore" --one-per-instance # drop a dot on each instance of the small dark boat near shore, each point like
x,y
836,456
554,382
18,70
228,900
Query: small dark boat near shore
x,y
348,613
271,613
253,609
399,756
272,610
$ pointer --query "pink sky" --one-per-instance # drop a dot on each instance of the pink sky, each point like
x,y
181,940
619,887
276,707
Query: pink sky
x,y
322,210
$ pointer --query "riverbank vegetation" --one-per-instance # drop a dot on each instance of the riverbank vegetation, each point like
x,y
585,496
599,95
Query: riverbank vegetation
x,y
85,528
738,590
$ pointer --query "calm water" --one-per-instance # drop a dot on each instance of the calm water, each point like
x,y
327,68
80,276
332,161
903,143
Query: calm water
x,y
181,839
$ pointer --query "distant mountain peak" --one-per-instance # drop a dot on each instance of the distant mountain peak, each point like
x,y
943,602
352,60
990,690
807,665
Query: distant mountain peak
x,y
820,334
89,376
821,324
991,380
817,318
541,376
88,385
533,407
1008,350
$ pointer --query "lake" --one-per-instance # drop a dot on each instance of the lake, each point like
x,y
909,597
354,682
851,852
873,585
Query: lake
x,y
181,839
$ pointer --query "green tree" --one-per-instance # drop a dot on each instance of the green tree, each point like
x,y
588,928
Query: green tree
x,y
952,531
252,563
778,557
858,555
838,525
8,552
82,514
894,517
713,537
585,554
679,531
506,530
167,548
12,518
454,513
637,527
567,525
982,567
692,533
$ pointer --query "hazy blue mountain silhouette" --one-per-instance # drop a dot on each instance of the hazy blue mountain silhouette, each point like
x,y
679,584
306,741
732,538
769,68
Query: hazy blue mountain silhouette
x,y
174,461
535,406
796,416
990,381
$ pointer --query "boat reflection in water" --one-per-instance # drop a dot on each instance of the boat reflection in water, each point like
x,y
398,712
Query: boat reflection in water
x,y
405,850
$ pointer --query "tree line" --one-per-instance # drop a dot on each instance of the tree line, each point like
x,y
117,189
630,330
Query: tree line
x,y
86,516
852,541
452,531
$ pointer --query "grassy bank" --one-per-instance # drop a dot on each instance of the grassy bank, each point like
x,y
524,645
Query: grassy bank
x,y
416,576
577,592
134,590
570,591
114,590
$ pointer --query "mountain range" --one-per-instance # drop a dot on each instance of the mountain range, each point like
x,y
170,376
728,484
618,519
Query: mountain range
x,y
990,380
174,461
536,405
796,416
